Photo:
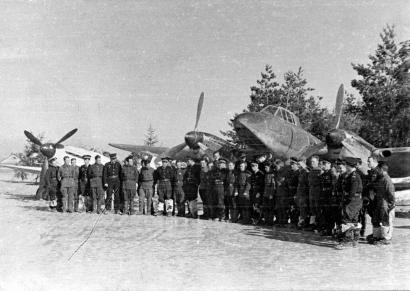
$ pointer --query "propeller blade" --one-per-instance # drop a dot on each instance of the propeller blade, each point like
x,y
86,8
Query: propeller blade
x,y
32,138
320,148
59,146
339,106
174,150
199,109
68,135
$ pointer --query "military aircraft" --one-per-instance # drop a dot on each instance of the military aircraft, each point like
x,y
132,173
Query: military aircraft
x,y
277,130
197,144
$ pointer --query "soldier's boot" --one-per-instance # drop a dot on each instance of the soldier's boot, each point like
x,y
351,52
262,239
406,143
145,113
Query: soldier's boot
x,y
132,207
65,202
125,207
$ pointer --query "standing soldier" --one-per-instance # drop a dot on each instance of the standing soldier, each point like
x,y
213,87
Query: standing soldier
x,y
229,201
146,188
66,178
242,158
241,192
351,205
162,178
314,191
112,183
292,183
369,182
216,156
179,194
51,183
327,191
384,203
84,183
341,170
281,201
256,192
268,194
203,189
191,183
95,175
129,178
216,179
302,194
76,176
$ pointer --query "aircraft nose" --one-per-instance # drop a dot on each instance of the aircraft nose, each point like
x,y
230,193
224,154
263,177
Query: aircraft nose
x,y
246,119
335,138
192,138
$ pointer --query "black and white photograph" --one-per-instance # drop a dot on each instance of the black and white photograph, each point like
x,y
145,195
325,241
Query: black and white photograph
x,y
204,145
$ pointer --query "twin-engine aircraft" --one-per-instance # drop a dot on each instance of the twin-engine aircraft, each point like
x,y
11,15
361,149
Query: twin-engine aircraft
x,y
49,150
197,144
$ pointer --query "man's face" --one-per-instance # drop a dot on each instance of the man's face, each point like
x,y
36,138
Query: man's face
x,y
179,165
231,166
67,161
221,165
73,162
53,163
98,161
216,156
255,167
242,167
203,164
131,162
294,167
341,168
191,162
371,163
327,166
86,162
113,160
267,169
314,162
262,158
165,164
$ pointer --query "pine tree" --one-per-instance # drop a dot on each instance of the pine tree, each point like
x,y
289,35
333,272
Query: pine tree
x,y
385,110
150,137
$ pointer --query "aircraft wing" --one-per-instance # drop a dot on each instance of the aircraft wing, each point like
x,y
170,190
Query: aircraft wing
x,y
80,152
139,148
32,170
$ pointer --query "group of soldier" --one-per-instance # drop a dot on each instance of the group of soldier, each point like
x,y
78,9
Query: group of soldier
x,y
328,198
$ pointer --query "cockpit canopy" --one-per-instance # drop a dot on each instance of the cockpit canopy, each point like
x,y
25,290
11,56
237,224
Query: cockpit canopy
x,y
282,113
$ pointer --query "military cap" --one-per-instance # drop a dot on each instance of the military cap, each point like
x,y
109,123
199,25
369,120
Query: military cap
x,y
254,163
97,157
130,157
73,159
326,161
351,161
341,162
165,159
66,157
52,159
113,156
222,161
86,157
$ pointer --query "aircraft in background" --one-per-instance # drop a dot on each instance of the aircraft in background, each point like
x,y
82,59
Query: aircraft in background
x,y
277,130
197,144
49,150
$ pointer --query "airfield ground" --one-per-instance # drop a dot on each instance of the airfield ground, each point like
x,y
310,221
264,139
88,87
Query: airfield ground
x,y
145,253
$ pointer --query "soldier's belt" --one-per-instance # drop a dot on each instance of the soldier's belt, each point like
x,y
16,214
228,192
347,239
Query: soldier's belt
x,y
115,176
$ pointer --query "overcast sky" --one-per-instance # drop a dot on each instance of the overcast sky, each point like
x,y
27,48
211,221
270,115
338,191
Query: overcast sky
x,y
110,68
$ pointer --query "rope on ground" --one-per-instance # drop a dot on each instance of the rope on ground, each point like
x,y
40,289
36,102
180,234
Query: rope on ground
x,y
88,236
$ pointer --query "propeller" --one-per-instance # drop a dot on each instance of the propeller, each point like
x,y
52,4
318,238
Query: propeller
x,y
49,149
199,109
339,107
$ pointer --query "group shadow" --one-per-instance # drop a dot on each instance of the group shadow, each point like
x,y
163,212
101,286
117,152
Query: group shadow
x,y
28,198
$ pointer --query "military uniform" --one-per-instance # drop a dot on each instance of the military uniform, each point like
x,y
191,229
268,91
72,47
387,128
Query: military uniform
x,y
314,193
191,183
51,182
216,180
241,192
282,196
230,199
292,184
256,193
302,194
383,212
111,178
84,186
179,194
95,174
369,182
269,192
76,170
66,178
328,201
204,193
145,190
351,205
129,179
163,178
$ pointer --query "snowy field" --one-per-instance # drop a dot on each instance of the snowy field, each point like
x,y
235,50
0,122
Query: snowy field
x,y
147,253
